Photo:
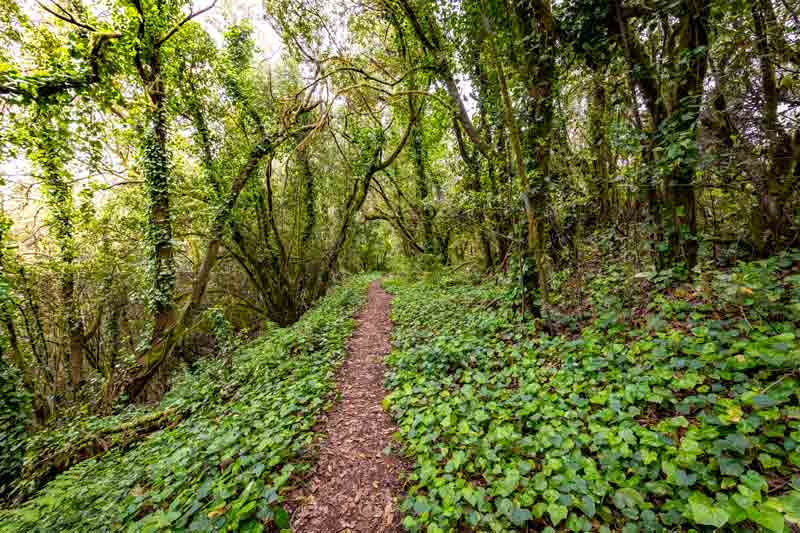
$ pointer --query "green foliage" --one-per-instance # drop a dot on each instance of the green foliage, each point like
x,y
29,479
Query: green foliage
x,y
15,412
691,422
673,403
767,290
222,330
224,468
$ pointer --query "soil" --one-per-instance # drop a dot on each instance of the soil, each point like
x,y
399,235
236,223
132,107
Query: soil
x,y
355,485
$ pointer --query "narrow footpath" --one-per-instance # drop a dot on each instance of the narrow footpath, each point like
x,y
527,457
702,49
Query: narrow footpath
x,y
354,485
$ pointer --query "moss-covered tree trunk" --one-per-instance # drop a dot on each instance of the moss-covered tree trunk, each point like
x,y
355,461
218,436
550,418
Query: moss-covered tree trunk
x,y
674,109
769,218
152,364
7,314
422,188
601,155
156,170
49,155
692,46
535,31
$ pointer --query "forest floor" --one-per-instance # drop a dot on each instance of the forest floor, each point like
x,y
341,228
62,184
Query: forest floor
x,y
355,484
661,406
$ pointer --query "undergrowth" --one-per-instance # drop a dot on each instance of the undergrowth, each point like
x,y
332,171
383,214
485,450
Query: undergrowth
x,y
683,418
15,409
224,465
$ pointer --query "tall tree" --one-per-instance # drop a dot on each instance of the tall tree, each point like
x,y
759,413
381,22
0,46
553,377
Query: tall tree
x,y
770,218
673,106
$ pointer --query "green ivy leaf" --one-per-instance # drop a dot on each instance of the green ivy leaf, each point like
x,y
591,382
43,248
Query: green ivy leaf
x,y
281,518
509,483
557,513
791,505
729,466
470,495
767,517
586,504
704,512
520,516
628,498
540,482
421,505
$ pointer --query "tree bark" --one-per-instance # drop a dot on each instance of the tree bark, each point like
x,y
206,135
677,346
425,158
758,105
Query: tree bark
x,y
532,203
601,156
674,109
769,218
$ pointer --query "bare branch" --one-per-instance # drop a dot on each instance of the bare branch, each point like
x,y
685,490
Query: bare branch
x,y
189,17
68,17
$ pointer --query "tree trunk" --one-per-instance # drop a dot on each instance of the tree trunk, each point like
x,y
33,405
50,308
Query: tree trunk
x,y
151,365
422,188
16,352
75,328
674,109
7,317
769,219
36,334
113,334
156,169
157,179
535,28
58,193
600,152
687,102
534,284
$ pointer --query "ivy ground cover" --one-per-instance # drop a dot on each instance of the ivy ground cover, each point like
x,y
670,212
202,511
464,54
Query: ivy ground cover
x,y
226,466
692,425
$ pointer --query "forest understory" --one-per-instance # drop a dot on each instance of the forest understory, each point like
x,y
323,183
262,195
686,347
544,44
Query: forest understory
x,y
400,265
653,407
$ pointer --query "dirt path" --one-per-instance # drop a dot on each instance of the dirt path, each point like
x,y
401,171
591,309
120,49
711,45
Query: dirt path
x,y
354,485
